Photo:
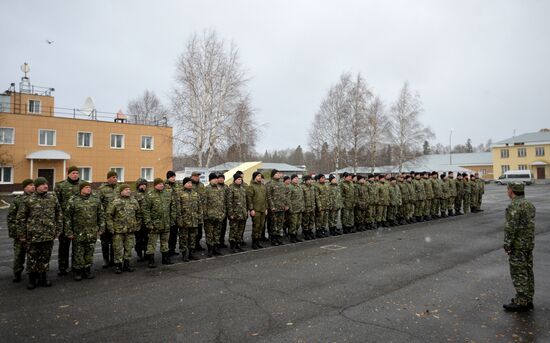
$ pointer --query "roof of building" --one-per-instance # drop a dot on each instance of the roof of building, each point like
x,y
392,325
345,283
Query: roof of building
x,y
531,137
48,155
265,166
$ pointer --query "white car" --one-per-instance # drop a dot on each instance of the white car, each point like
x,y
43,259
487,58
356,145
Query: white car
x,y
524,176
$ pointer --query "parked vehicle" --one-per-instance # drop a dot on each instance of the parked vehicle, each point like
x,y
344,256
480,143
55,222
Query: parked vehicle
x,y
524,176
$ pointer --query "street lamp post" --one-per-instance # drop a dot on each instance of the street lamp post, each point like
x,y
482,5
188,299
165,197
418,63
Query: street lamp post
x,y
451,147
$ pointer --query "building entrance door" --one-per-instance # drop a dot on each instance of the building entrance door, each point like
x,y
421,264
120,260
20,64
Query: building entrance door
x,y
540,173
49,175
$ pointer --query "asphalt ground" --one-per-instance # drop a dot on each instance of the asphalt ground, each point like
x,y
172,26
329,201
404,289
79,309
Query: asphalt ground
x,y
441,281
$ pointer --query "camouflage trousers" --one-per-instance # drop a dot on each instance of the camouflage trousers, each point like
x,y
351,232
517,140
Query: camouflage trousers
x,y
163,237
295,222
427,207
419,208
371,214
521,271
277,222
458,202
187,236
392,212
321,219
474,199
212,231
381,213
83,253
479,200
63,252
348,217
451,202
308,221
38,256
436,207
142,239
466,203
333,218
19,252
360,216
123,244
236,230
258,223
223,230
405,210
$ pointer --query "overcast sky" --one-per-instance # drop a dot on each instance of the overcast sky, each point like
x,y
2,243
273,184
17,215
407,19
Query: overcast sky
x,y
481,67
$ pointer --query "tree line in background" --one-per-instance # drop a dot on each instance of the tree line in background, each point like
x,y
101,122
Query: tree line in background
x,y
214,120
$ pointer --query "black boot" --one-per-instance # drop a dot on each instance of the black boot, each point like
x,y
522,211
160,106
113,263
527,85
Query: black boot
x,y
292,238
151,259
254,246
198,247
62,272
166,258
118,268
43,281
210,252
32,281
77,274
259,244
298,240
88,274
139,253
126,267
216,250
185,255
232,247
280,240
192,256
17,277
173,253
332,231
238,247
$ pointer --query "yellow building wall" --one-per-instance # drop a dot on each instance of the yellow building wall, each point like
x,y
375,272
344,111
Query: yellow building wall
x,y
485,171
20,103
513,161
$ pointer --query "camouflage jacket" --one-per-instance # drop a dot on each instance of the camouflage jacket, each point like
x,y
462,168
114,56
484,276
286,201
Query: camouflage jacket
x,y
445,191
459,188
335,197
361,196
107,193
452,187
467,187
175,189
405,194
123,215
296,199
190,214
256,197
277,199
481,186
372,188
160,210
428,189
84,218
39,218
519,229
436,187
322,196
309,198
395,195
347,190
412,192
419,190
65,190
214,203
236,202
384,194
12,214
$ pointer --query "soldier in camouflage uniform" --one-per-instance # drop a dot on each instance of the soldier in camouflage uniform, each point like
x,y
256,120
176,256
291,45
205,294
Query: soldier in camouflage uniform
x,y
237,212
256,198
160,213
361,205
171,186
405,199
383,201
84,220
123,219
481,191
429,196
199,188
19,249
322,203
296,202
188,218
39,220
214,212
444,194
412,198
459,194
223,225
277,201
420,196
308,216
519,242
435,181
451,184
475,194
107,193
347,191
142,234
287,181
396,202
466,193
335,205
65,190
372,204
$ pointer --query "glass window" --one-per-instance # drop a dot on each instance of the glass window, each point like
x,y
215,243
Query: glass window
x,y
522,167
504,153
117,141
539,151
85,173
147,173
6,135
120,173
34,106
505,168
146,143
46,137
4,103
84,139
6,174
522,152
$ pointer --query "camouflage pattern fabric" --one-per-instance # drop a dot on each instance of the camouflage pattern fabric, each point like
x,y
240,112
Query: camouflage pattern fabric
x,y
347,191
256,198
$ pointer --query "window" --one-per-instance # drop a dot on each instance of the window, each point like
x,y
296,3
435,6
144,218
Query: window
x,y
84,139
504,168
5,103
522,152
117,141
6,135
146,143
85,173
147,173
539,151
504,153
482,172
120,173
6,174
34,106
522,166
46,137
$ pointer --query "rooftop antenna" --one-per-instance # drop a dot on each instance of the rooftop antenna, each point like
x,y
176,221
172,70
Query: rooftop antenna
x,y
89,108
25,84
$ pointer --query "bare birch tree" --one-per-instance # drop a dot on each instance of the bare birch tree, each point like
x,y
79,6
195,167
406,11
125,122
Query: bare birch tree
x,y
376,128
406,130
359,97
147,109
209,84
242,132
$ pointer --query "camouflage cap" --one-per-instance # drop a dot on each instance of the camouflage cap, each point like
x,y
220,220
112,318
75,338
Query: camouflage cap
x,y
40,181
27,182
72,169
123,187
157,181
111,173
195,173
517,186
141,181
84,184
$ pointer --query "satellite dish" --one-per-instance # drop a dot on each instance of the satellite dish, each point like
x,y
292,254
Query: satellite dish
x,y
25,68
89,107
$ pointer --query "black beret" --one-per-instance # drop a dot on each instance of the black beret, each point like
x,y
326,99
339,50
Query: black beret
x,y
186,179
170,174
236,176
223,176
293,176
212,176
286,177
360,177
255,174
330,177
306,178
273,172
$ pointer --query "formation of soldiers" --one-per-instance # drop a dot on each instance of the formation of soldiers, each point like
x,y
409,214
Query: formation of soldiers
x,y
171,214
